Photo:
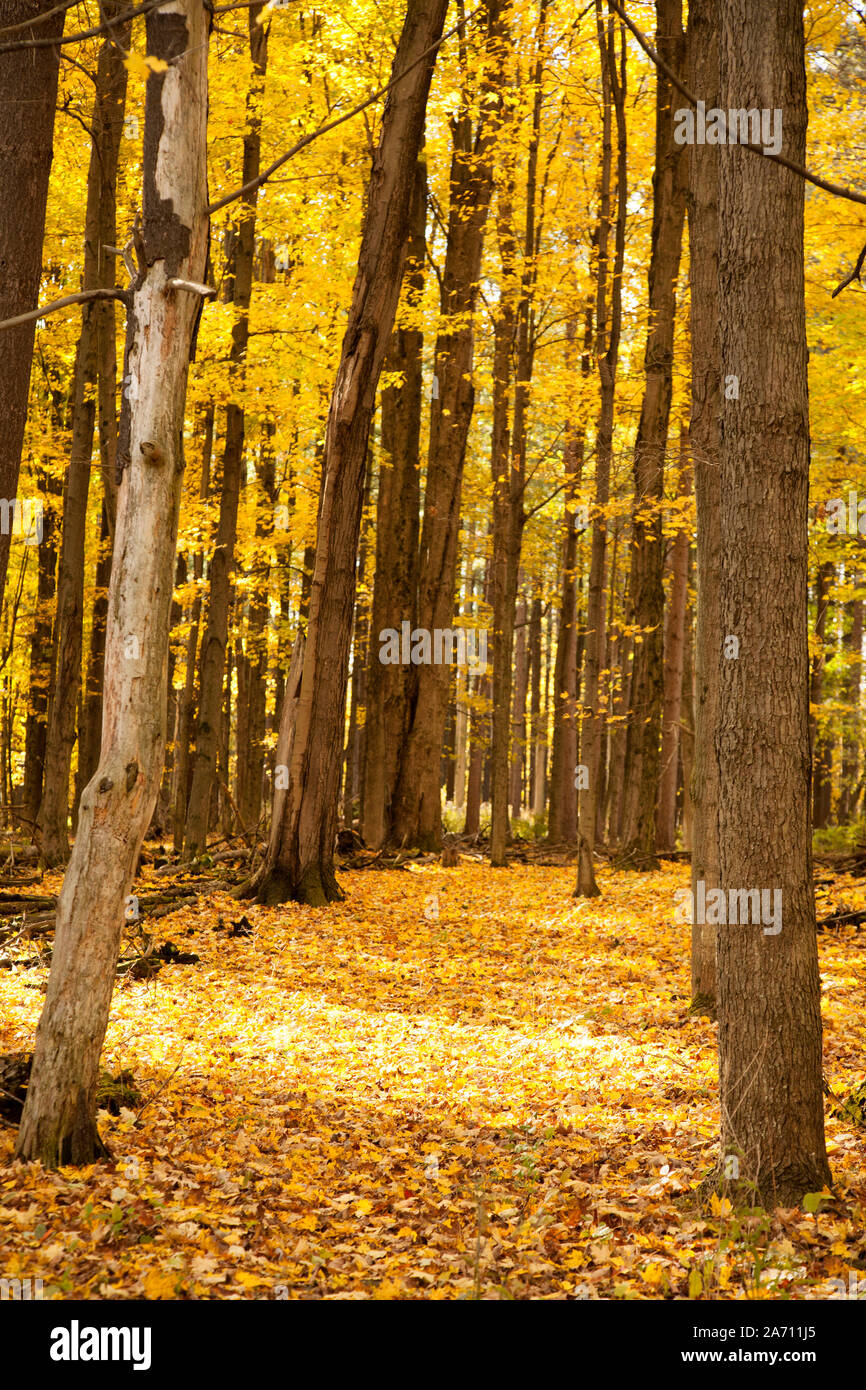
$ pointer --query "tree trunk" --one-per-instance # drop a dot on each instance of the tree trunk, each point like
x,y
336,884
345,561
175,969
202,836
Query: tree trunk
x,y
301,863
59,1121
99,272
851,725
822,766
769,1004
703,43
608,330
28,81
647,603
666,822
518,713
40,681
213,649
395,584
417,809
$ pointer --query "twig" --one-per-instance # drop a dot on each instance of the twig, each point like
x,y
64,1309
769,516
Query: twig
x,y
81,298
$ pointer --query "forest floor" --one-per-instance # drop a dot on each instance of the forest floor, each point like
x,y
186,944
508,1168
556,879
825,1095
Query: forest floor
x,y
508,1099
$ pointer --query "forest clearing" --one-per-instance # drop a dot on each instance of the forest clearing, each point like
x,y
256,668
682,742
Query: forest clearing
x,y
432,744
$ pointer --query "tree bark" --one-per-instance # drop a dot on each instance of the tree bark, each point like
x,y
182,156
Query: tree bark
x,y
608,324
59,1121
647,604
301,865
822,763
209,725
666,820
703,206
28,81
417,813
769,1005
99,272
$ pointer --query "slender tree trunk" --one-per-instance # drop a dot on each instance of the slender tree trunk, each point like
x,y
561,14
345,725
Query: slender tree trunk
x,y
40,651
536,717
99,272
769,1005
28,82
213,649
687,729
518,712
417,809
666,823
822,785
395,584
608,321
705,446
301,863
851,725
647,604
59,1121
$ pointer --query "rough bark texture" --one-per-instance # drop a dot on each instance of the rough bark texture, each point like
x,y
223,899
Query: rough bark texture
x,y
704,435
647,553
28,82
768,985
40,679
417,816
300,862
59,1121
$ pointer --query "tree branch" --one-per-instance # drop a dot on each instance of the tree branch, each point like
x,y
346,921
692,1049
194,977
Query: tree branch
x,y
81,298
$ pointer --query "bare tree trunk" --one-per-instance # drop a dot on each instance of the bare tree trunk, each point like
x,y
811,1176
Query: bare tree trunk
x,y
213,650
518,712
301,866
703,42
395,585
59,1121
687,730
28,81
769,1004
40,652
647,604
851,725
536,715
822,763
666,822
608,331
99,272
417,808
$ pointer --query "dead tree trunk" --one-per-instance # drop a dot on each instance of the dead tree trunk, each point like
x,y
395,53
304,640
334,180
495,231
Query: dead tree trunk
x,y
59,1121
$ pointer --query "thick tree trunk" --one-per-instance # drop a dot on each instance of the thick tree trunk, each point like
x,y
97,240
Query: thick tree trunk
x,y
209,725
300,864
59,1121
417,810
769,1004
608,322
28,82
99,272
647,604
705,444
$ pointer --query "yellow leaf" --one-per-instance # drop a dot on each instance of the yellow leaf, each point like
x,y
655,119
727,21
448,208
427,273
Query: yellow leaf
x,y
159,1285
364,1207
